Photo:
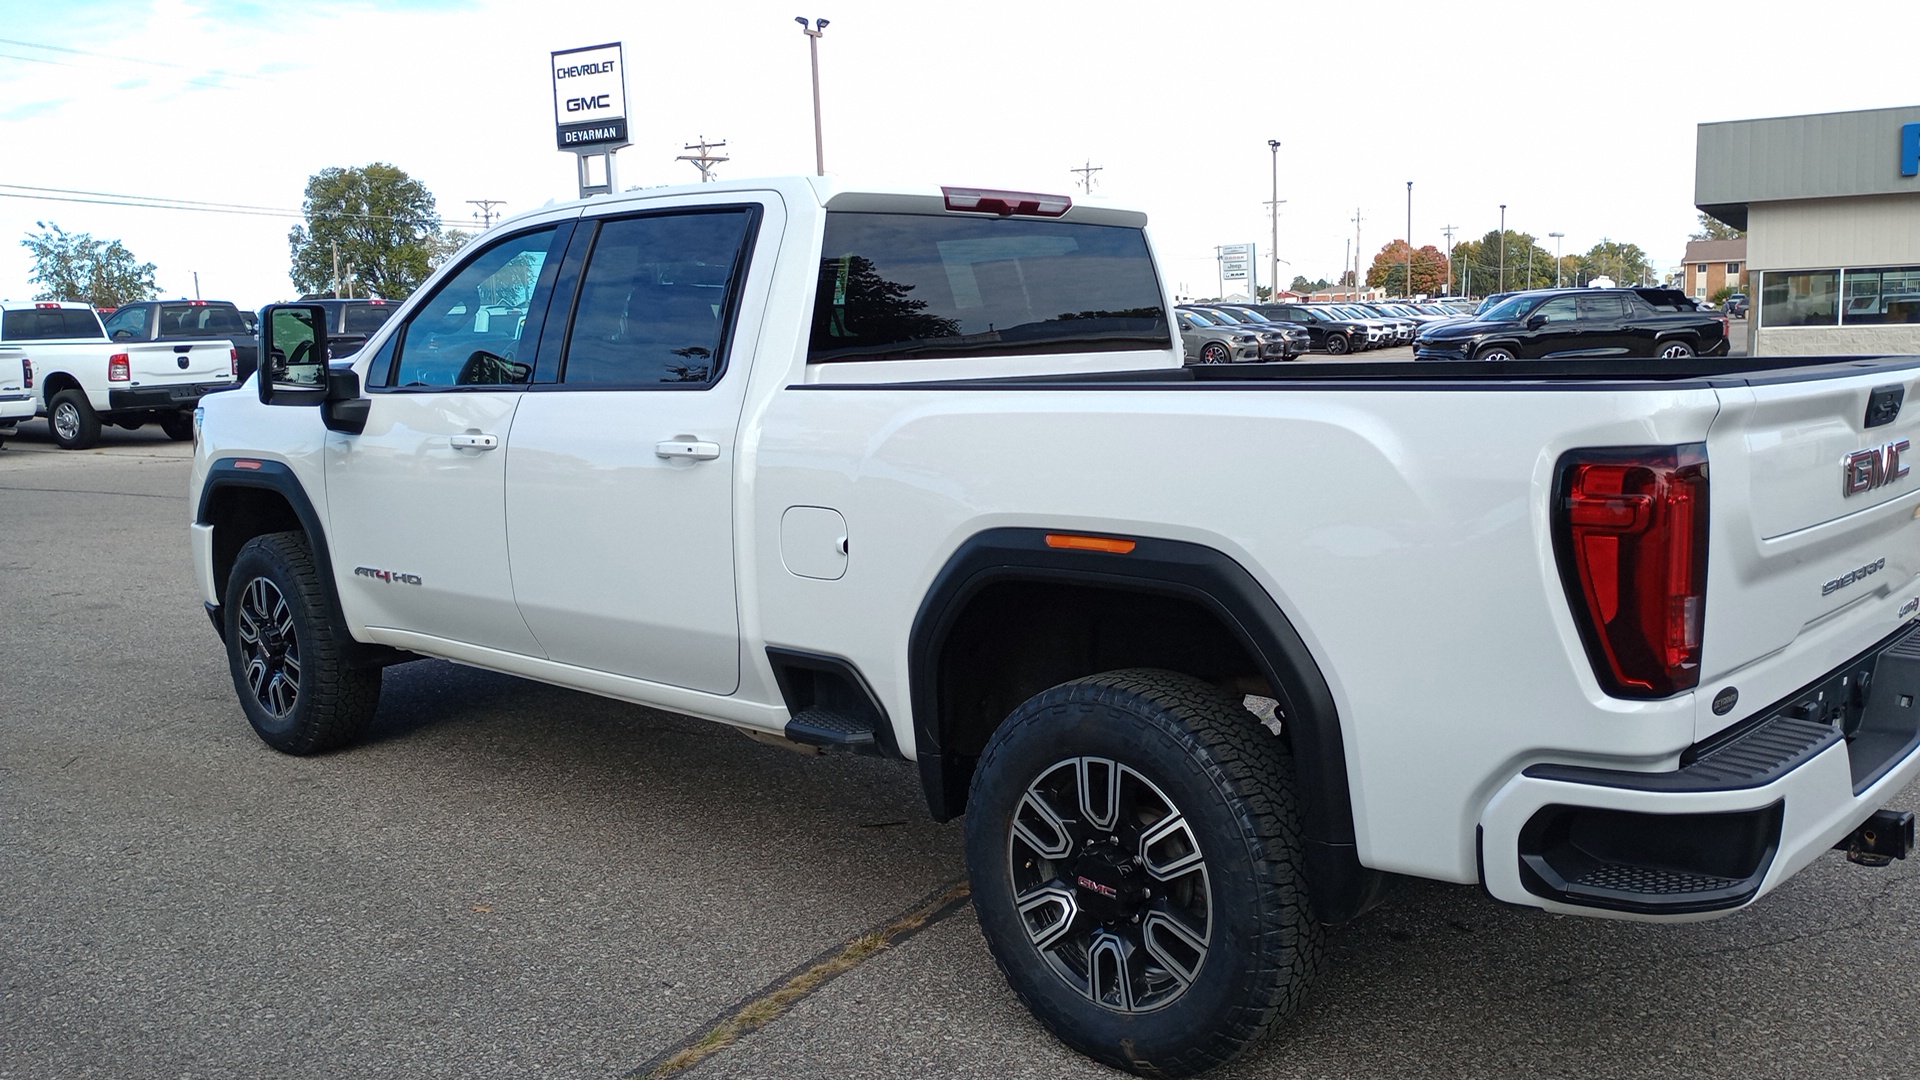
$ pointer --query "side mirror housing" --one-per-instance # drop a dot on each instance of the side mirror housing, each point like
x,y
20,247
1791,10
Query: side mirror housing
x,y
1536,322
293,354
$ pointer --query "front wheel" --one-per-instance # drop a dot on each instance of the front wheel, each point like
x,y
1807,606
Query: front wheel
x,y
1494,353
1134,846
286,655
1337,344
74,424
1675,350
1214,353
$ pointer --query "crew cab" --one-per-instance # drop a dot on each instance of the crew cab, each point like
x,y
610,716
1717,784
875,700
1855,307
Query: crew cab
x,y
16,389
176,321
81,379
920,473
1555,323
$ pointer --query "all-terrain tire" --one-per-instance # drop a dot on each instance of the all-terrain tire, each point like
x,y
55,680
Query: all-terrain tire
x,y
1170,745
178,426
287,657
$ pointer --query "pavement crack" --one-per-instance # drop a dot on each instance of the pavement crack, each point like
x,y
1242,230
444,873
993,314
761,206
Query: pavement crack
x,y
83,491
776,998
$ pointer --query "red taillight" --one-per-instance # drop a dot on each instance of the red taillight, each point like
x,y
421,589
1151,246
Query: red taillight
x,y
26,368
1004,203
118,369
233,362
1630,528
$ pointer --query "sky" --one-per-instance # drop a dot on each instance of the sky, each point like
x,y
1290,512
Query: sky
x,y
1580,118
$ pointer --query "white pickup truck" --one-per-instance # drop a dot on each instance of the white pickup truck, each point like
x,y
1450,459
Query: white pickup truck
x,y
921,473
82,379
16,390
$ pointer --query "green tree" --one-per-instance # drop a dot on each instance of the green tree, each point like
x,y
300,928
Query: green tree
x,y
378,221
1389,270
1477,267
1304,286
75,266
1712,228
1626,264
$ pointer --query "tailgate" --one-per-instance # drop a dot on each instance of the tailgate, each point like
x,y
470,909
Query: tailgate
x,y
160,363
1814,507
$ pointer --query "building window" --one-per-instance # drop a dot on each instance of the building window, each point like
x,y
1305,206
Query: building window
x,y
1702,268
1800,298
1878,295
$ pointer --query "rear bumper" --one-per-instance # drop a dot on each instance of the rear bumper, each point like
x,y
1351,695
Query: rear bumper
x,y
176,396
1741,815
15,407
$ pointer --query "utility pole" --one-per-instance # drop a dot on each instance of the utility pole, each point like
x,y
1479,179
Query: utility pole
x,y
1356,253
1447,231
485,213
1557,237
1273,213
1086,175
1409,239
704,161
1503,248
334,285
813,45
196,284
1346,258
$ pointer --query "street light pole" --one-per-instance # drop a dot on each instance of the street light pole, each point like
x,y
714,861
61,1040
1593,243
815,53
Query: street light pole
x,y
1273,212
1503,248
813,45
1409,240
1557,237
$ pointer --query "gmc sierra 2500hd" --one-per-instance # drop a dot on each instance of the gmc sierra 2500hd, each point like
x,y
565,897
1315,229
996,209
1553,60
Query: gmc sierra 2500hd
x,y
920,473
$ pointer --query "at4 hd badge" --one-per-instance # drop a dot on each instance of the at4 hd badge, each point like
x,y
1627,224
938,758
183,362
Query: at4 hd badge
x,y
391,577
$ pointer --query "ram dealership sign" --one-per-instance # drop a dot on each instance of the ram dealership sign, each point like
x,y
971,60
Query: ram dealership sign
x,y
590,98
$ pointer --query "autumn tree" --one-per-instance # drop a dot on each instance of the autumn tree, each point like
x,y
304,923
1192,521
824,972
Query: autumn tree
x,y
1712,228
1389,270
75,266
377,220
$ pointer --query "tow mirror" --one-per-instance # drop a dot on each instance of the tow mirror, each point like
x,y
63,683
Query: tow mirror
x,y
293,354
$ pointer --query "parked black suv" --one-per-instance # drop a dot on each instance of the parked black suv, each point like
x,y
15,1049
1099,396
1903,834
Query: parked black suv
x,y
1580,323
1327,331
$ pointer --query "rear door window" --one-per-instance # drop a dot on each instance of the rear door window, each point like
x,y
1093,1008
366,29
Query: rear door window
x,y
898,286
657,299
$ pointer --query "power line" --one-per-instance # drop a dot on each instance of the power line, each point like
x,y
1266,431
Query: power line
x,y
156,202
122,59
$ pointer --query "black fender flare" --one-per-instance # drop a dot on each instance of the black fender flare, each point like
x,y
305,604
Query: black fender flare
x,y
1341,887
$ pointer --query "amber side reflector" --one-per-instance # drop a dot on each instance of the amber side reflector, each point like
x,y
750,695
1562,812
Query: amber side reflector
x,y
243,463
1090,543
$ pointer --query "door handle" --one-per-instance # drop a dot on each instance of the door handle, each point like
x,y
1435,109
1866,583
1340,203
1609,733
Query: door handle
x,y
682,448
475,442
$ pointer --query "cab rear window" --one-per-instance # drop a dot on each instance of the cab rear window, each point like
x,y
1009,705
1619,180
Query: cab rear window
x,y
49,324
900,286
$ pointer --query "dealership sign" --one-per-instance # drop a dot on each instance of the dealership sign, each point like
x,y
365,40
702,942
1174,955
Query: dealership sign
x,y
1236,261
590,98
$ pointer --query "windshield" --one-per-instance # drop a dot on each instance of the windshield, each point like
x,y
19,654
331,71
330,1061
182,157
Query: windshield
x,y
1250,316
1507,310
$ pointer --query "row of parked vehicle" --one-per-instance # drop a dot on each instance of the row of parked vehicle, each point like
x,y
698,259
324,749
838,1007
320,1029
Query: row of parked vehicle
x,y
1240,333
145,363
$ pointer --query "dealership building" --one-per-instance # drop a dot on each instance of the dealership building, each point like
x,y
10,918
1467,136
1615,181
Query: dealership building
x,y
1831,207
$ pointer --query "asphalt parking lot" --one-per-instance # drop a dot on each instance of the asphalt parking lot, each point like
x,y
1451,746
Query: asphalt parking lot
x,y
511,880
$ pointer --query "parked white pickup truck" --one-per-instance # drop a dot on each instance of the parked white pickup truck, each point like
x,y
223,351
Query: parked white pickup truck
x,y
16,389
920,473
82,379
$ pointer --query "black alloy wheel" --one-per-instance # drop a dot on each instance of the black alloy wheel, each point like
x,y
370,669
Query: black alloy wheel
x,y
1137,867
1337,344
289,662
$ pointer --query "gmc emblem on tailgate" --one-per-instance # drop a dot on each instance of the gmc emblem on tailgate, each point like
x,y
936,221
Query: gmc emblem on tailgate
x,y
1864,470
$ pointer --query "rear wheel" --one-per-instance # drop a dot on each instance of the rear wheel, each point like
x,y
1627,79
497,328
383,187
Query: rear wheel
x,y
287,658
1675,350
74,424
178,426
1135,852
1214,353
1337,344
